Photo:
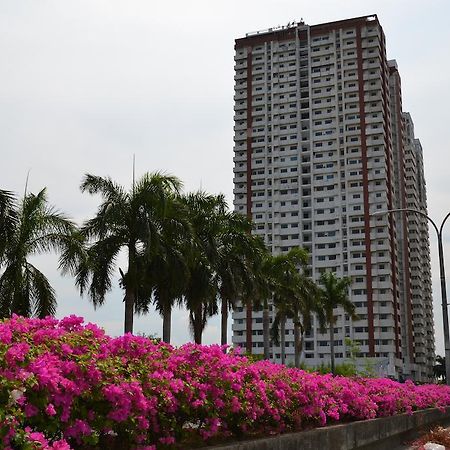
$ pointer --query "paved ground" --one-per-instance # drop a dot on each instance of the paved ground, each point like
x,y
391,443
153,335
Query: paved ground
x,y
407,447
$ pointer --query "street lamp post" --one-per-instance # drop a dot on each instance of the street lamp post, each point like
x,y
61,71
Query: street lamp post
x,y
442,275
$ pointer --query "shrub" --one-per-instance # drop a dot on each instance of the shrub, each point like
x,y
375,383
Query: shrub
x,y
64,384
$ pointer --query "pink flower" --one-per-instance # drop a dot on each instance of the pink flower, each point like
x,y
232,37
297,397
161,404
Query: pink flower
x,y
30,410
50,410
5,334
60,445
16,353
38,437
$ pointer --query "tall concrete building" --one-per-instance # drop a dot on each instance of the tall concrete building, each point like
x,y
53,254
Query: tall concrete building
x,y
322,143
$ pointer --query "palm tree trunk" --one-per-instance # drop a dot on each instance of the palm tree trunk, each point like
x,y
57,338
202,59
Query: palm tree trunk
x,y
198,335
283,339
130,294
332,344
249,327
297,344
167,322
266,330
129,310
197,327
224,323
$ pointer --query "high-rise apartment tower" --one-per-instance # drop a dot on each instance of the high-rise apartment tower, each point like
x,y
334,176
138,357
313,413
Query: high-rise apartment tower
x,y
322,143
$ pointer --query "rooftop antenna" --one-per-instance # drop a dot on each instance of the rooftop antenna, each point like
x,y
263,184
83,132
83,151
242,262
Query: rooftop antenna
x,y
134,171
26,183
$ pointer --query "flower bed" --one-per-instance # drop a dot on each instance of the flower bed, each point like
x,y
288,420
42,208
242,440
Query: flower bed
x,y
66,385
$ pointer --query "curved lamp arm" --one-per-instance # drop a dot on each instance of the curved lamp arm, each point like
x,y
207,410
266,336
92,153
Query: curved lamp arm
x,y
443,222
412,210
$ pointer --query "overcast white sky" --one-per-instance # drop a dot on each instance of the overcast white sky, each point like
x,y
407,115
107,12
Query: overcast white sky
x,y
86,84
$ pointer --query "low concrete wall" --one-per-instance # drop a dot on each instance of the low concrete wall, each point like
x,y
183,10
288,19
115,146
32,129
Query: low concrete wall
x,y
375,434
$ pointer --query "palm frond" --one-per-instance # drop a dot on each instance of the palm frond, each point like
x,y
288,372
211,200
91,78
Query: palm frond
x,y
106,187
8,219
334,293
42,294
97,269
37,227
72,252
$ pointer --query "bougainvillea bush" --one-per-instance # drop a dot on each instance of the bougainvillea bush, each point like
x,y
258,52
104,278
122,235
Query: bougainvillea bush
x,y
64,384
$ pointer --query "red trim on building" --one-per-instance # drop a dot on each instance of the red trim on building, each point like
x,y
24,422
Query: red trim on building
x,y
249,132
249,312
391,218
365,176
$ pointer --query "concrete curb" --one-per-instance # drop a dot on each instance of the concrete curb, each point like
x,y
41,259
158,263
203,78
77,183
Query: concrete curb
x,y
375,434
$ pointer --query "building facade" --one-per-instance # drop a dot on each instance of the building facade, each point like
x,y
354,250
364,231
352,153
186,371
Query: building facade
x,y
321,144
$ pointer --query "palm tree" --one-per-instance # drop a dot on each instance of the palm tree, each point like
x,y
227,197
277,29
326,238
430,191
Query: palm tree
x,y
254,292
205,213
263,285
31,228
266,277
334,293
295,297
131,221
304,305
168,271
238,254
278,329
